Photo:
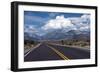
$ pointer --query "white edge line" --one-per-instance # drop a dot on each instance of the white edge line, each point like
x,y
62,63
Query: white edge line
x,y
32,49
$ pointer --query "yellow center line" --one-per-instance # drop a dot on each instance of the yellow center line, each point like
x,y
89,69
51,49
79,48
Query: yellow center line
x,y
59,53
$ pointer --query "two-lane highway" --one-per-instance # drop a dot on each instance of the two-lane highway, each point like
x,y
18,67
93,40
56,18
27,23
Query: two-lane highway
x,y
46,52
42,53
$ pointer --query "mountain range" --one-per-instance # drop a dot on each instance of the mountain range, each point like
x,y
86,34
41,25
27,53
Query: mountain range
x,y
59,34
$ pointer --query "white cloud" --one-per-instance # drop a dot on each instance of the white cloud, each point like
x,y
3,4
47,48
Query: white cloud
x,y
77,20
84,28
81,22
85,16
58,23
70,23
29,29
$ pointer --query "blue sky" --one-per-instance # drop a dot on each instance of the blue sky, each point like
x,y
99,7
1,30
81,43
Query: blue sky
x,y
45,21
40,18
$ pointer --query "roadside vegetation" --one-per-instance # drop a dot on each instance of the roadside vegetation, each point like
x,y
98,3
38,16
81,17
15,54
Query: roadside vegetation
x,y
78,43
28,45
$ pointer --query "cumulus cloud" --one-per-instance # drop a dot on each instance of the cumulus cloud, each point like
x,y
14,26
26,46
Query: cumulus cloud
x,y
60,22
82,22
84,28
70,23
85,16
29,29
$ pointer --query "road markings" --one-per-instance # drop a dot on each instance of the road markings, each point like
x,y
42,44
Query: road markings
x,y
59,53
32,49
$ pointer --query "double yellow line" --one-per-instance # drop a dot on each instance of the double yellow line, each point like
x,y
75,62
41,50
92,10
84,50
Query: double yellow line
x,y
59,53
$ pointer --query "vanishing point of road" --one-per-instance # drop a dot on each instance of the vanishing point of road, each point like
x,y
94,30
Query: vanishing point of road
x,y
49,52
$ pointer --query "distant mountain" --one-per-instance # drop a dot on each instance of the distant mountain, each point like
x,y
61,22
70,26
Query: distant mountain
x,y
84,35
28,36
80,35
58,35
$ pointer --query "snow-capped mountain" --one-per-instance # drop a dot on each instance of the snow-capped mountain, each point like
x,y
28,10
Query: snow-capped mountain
x,y
58,35
61,28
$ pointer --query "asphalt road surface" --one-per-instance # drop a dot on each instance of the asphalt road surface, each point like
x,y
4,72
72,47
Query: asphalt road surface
x,y
45,52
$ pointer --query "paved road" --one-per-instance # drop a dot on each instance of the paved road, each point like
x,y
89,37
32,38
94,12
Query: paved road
x,y
46,52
